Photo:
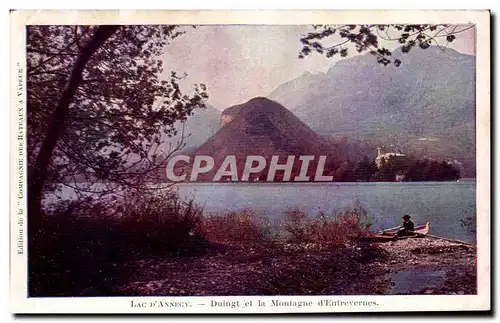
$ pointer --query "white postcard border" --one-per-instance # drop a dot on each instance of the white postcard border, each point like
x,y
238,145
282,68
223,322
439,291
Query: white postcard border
x,y
20,303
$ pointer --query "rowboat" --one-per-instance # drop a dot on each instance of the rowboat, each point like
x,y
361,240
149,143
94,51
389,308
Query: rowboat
x,y
391,234
422,229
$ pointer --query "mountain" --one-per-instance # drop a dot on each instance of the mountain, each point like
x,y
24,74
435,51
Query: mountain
x,y
431,95
262,127
298,90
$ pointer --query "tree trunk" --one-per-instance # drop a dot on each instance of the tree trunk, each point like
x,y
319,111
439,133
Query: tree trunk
x,y
38,175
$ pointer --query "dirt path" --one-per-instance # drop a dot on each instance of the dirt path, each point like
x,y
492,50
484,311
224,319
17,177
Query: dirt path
x,y
310,269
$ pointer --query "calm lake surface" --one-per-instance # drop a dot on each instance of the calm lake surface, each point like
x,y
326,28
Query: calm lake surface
x,y
443,204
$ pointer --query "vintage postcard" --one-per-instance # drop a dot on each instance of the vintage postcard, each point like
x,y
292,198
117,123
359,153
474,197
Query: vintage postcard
x,y
249,161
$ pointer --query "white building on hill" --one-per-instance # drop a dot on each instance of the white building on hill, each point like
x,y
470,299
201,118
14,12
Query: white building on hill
x,y
386,156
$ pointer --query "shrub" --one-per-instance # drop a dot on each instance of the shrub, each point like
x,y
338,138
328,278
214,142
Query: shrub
x,y
236,227
336,229
74,255
297,224
157,223
82,246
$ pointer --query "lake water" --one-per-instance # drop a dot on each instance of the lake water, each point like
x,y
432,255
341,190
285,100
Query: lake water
x,y
443,204
412,281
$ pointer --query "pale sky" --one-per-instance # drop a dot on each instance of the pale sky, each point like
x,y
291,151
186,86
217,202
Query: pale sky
x,y
239,62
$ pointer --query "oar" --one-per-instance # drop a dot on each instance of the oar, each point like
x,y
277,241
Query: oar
x,y
385,230
447,239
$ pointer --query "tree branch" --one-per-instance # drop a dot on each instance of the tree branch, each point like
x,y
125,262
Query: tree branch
x,y
39,172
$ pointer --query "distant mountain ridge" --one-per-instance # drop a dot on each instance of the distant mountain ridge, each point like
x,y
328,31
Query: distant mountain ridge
x,y
431,89
432,94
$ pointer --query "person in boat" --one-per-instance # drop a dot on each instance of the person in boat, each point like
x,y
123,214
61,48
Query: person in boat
x,y
408,228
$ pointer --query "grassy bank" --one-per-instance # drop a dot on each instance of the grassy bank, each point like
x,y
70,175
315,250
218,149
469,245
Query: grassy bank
x,y
82,246
162,245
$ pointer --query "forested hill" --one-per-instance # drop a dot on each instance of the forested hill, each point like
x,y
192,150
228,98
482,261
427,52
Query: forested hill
x,y
426,106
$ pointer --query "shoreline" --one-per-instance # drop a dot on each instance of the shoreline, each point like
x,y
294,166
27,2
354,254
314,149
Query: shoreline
x,y
271,268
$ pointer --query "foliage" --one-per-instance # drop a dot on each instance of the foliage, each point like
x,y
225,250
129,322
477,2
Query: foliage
x,y
81,245
121,112
420,170
86,248
336,230
159,222
366,38
243,226
410,169
365,169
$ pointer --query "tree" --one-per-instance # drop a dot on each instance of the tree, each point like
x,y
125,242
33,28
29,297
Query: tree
x,y
367,38
386,172
345,172
365,169
98,107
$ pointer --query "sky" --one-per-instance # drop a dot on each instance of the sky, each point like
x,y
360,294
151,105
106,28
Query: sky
x,y
239,62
